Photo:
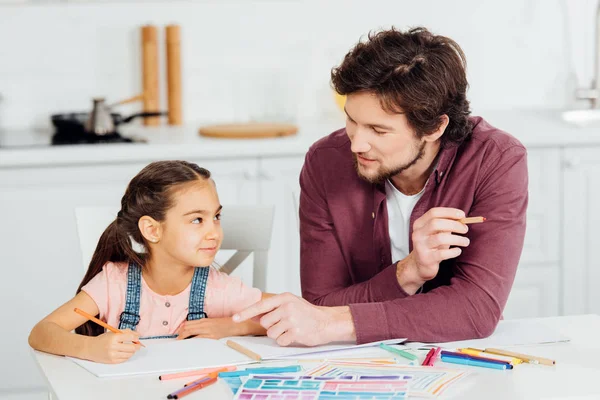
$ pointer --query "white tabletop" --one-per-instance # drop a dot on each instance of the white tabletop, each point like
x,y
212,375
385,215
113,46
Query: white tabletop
x,y
575,375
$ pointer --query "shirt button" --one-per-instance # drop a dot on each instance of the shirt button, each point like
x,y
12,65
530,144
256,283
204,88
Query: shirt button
x,y
165,323
167,304
373,215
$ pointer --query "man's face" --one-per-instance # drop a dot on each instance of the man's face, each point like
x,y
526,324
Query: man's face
x,y
383,144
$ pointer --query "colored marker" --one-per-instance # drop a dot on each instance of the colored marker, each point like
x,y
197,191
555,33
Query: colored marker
x,y
402,353
258,371
475,363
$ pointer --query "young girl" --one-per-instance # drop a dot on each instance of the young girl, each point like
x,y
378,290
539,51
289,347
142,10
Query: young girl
x,y
172,209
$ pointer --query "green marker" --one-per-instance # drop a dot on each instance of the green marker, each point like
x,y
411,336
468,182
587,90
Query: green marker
x,y
402,353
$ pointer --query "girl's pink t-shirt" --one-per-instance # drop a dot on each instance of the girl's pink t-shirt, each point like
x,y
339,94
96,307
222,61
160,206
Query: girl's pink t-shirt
x,y
160,314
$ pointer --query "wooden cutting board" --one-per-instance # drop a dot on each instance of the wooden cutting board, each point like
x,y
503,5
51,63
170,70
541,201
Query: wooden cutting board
x,y
248,130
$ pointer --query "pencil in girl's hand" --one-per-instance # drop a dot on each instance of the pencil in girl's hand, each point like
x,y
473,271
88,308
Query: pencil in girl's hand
x,y
102,324
472,220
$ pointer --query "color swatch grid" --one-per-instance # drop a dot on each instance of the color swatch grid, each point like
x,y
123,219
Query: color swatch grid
x,y
261,387
425,382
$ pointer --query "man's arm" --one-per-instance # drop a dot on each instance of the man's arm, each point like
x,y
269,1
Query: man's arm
x,y
471,306
323,267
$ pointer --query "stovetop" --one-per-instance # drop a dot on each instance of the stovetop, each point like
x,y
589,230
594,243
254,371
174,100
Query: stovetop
x,y
89,138
43,137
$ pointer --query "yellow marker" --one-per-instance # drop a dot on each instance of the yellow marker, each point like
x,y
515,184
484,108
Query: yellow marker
x,y
480,353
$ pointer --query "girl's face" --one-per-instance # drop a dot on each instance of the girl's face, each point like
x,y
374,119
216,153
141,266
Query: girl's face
x,y
192,232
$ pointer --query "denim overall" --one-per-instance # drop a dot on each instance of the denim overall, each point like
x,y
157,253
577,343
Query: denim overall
x,y
130,317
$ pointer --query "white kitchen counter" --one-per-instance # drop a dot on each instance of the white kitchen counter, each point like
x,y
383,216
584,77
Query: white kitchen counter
x,y
163,142
542,128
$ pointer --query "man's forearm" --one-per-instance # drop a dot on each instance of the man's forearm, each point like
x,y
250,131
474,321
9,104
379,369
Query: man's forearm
x,y
340,326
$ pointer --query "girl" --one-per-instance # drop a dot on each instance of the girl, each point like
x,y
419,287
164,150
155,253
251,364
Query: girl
x,y
172,209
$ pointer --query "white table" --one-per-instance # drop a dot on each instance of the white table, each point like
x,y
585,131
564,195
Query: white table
x,y
575,376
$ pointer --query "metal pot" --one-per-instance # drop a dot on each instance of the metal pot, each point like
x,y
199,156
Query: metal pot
x,y
75,123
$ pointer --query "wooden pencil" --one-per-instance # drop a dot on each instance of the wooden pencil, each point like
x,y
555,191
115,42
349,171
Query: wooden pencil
x,y
524,357
243,350
472,220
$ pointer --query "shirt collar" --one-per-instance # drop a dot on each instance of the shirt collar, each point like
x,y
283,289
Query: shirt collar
x,y
445,158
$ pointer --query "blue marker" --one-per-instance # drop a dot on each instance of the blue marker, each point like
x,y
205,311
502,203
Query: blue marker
x,y
262,371
475,363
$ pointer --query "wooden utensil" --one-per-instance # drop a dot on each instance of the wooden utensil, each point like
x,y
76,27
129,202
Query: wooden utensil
x,y
248,130
173,35
150,72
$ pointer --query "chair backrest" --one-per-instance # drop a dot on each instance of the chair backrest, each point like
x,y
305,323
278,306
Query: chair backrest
x,y
247,229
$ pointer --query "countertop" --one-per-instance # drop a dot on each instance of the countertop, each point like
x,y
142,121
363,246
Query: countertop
x,y
29,148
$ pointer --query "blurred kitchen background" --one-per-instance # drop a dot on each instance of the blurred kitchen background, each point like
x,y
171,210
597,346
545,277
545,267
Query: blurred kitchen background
x,y
531,67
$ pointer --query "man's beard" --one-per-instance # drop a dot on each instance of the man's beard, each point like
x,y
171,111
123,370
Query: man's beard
x,y
385,174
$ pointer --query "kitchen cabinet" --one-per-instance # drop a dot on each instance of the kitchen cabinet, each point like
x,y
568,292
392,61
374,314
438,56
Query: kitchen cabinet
x,y
535,291
280,187
581,264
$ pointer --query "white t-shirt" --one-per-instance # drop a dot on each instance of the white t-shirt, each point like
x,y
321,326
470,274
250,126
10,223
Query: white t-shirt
x,y
399,208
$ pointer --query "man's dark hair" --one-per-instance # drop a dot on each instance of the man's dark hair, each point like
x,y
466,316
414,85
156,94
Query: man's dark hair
x,y
415,72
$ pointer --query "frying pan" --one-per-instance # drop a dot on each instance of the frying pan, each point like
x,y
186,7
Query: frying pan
x,y
75,122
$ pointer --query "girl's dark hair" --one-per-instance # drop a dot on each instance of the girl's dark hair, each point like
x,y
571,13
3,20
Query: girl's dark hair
x,y
149,193
415,72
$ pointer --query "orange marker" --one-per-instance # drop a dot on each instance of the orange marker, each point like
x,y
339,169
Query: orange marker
x,y
197,373
200,379
102,323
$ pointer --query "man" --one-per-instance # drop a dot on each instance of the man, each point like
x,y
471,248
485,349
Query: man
x,y
383,251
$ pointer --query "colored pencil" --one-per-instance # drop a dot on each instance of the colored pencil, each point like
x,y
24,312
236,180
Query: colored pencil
x,y
472,220
243,350
524,357
102,324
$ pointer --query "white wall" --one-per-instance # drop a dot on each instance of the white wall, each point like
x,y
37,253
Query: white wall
x,y
55,56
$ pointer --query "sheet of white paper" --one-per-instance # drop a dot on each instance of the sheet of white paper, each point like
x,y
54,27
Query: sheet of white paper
x,y
513,332
161,357
267,348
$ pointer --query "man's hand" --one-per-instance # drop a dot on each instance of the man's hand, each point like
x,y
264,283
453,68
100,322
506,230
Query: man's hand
x,y
432,236
289,319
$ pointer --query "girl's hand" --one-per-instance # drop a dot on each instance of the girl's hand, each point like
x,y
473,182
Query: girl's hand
x,y
113,348
212,328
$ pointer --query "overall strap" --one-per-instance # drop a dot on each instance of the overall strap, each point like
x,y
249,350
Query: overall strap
x,y
197,294
130,316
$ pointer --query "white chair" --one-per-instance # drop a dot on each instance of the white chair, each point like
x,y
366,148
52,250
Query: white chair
x,y
247,229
